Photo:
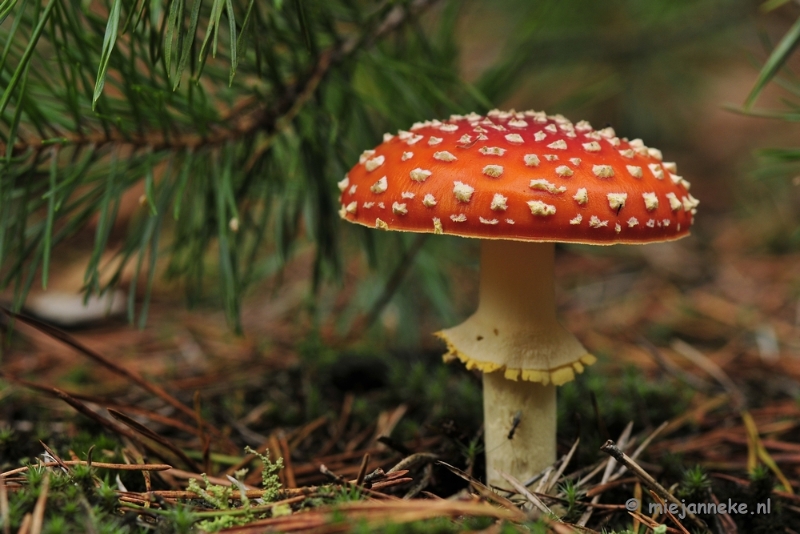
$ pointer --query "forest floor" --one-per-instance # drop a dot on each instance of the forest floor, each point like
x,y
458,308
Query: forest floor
x,y
698,381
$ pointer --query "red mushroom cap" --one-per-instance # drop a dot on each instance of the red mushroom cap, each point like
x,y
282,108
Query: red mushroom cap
x,y
518,175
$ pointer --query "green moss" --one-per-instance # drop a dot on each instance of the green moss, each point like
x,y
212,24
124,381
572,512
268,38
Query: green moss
x,y
620,399
694,485
270,481
572,494
72,505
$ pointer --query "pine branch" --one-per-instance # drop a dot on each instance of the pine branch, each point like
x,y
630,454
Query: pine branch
x,y
250,114
140,123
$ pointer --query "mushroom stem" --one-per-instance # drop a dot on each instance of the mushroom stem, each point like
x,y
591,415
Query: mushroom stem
x,y
516,282
523,351
516,286
525,411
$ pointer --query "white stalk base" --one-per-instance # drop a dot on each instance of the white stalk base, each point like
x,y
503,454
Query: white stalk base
x,y
530,409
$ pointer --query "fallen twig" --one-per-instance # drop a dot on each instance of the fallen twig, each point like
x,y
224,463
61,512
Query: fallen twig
x,y
668,512
485,491
41,502
414,460
140,428
101,465
536,501
609,470
5,516
562,467
611,449
67,339
362,471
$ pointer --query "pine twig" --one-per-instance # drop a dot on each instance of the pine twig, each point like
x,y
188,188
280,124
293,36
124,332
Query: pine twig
x,y
5,514
362,471
39,508
99,465
536,501
249,115
612,450
67,339
140,428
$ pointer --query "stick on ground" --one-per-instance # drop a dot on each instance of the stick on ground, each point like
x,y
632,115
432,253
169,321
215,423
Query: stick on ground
x,y
611,449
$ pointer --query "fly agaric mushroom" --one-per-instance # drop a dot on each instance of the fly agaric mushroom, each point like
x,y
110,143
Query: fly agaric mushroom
x,y
519,181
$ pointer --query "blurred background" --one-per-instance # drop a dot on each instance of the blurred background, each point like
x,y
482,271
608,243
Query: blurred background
x,y
245,286
675,74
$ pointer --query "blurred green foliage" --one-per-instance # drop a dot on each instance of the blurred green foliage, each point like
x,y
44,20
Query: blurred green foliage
x,y
237,119
779,171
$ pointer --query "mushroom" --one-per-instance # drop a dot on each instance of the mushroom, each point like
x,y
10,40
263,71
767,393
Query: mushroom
x,y
520,182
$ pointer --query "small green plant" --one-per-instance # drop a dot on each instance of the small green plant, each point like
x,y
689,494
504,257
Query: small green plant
x,y
73,504
83,475
270,482
216,495
762,482
572,494
694,485
220,497
178,519
471,450
347,494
